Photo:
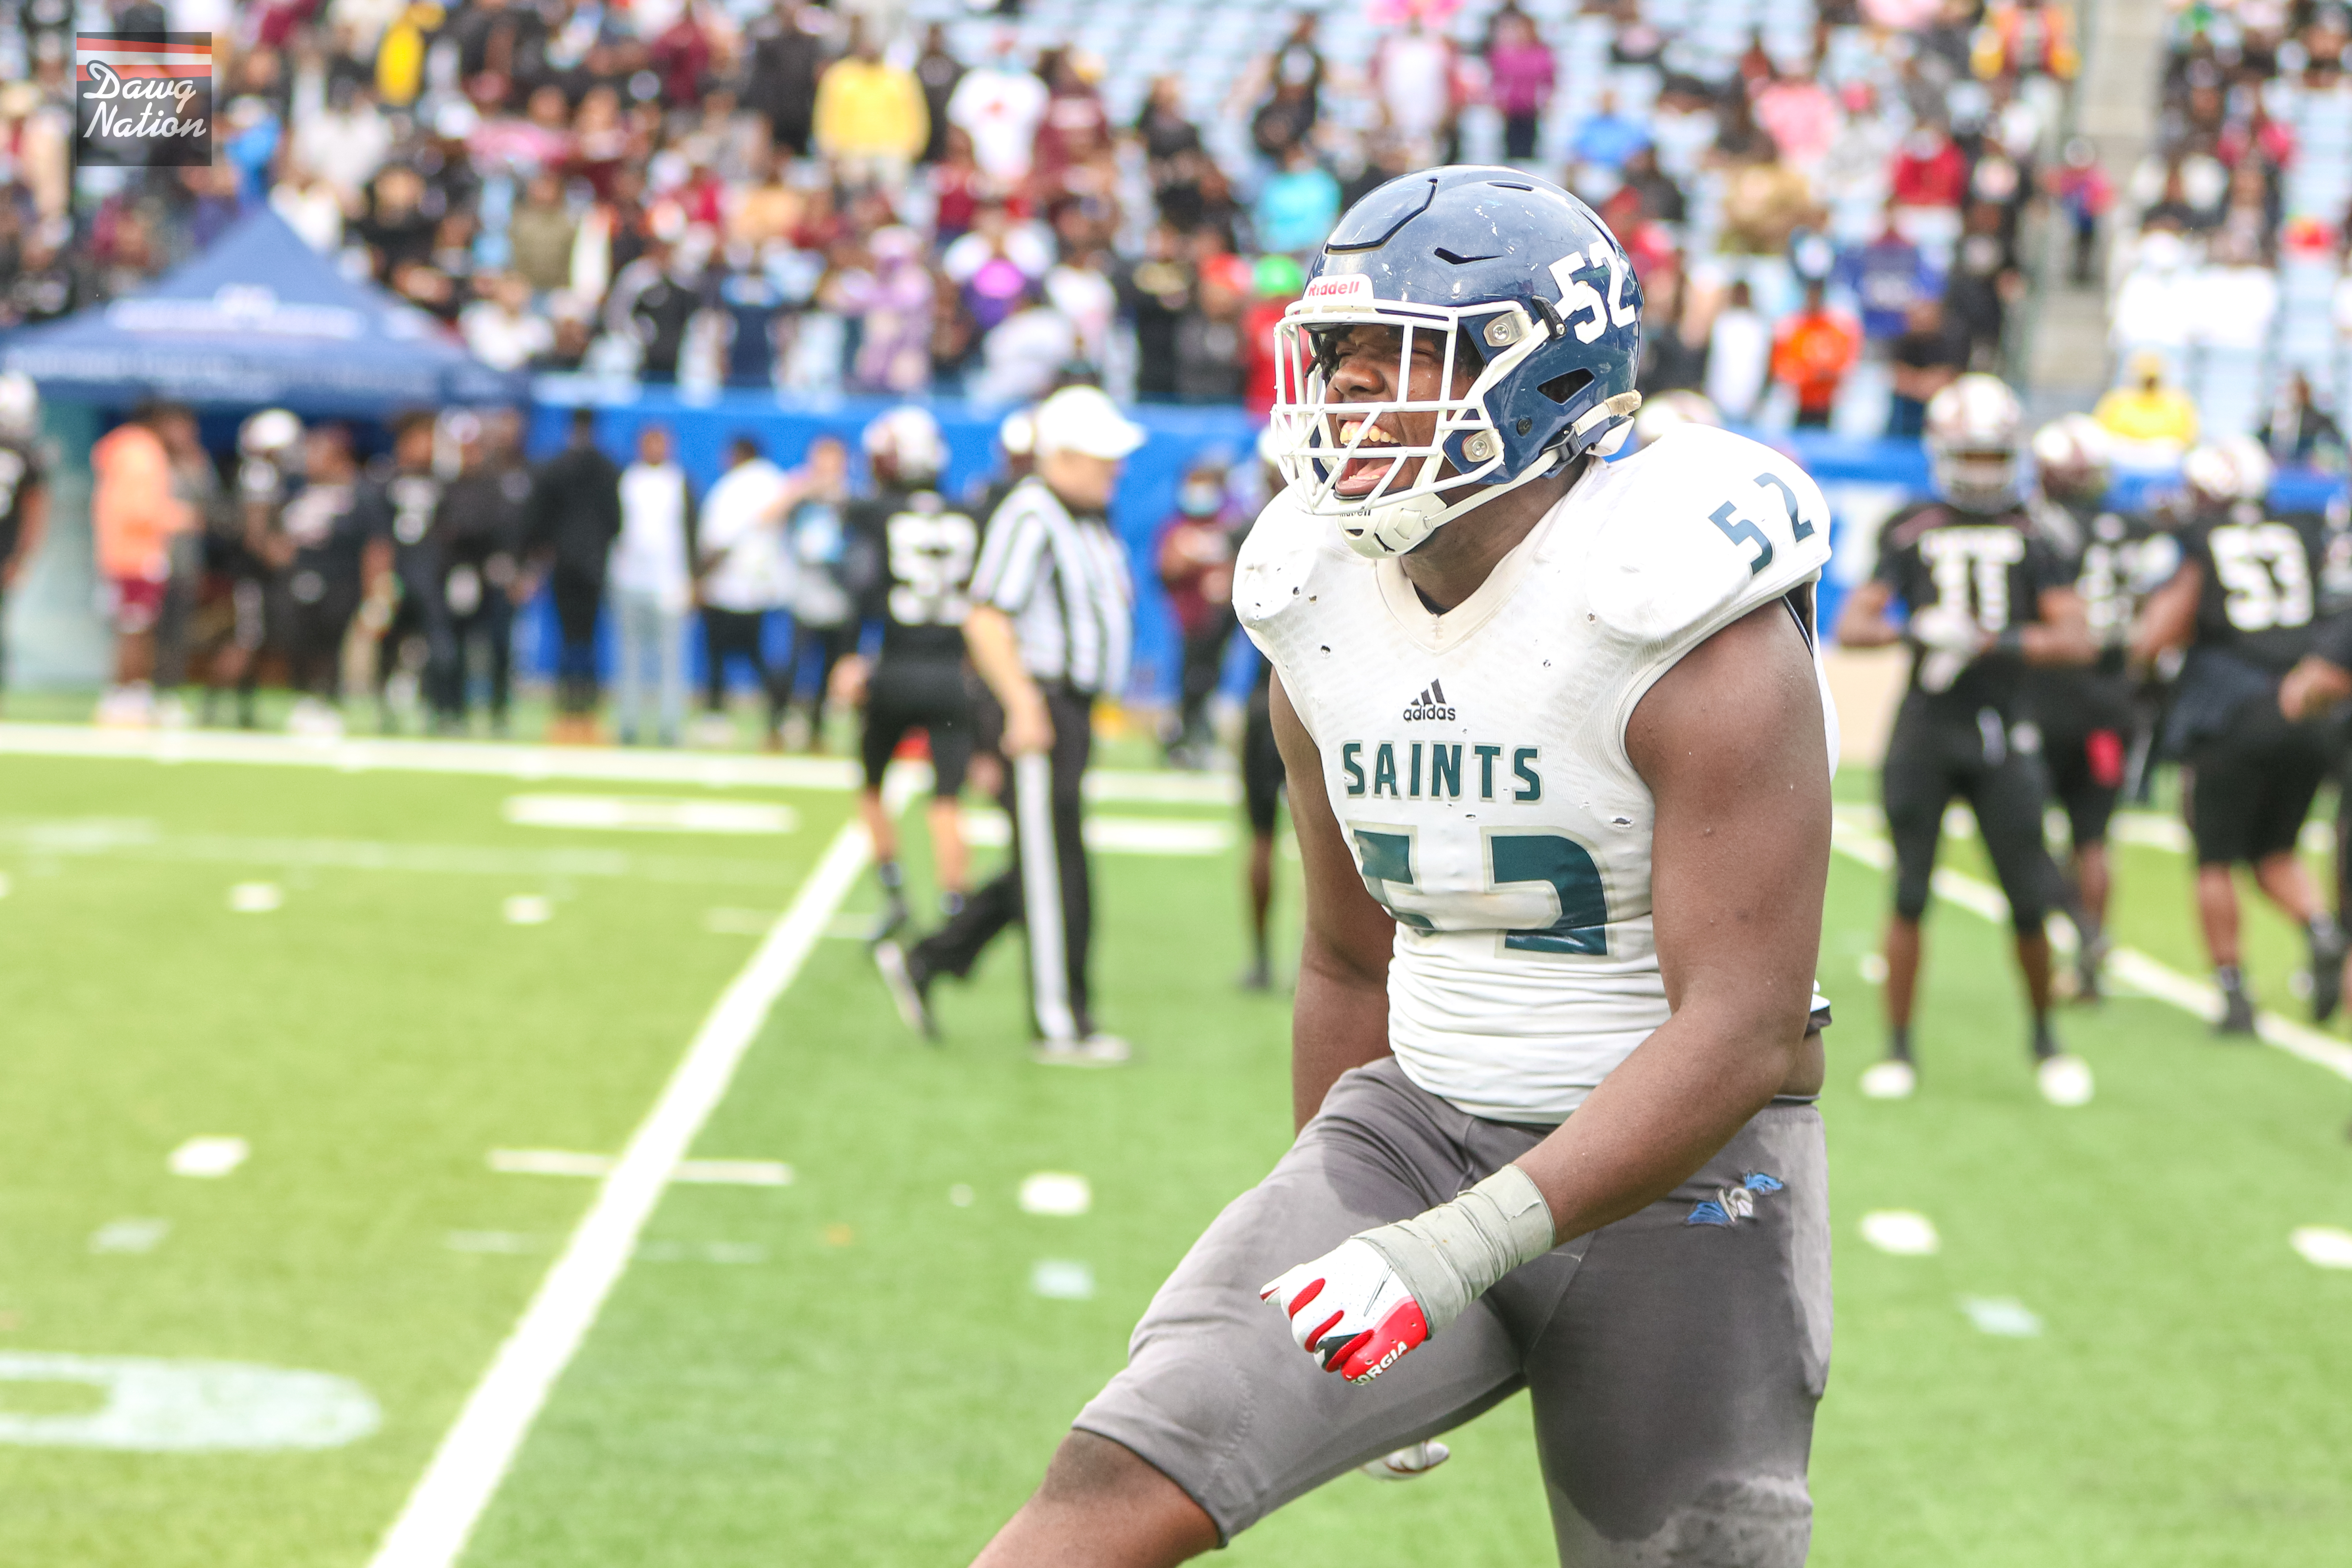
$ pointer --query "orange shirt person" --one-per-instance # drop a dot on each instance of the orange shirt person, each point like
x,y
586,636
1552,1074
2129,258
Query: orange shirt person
x,y
135,516
1812,352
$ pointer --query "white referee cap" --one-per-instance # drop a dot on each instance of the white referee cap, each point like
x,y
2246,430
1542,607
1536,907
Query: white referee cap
x,y
1082,419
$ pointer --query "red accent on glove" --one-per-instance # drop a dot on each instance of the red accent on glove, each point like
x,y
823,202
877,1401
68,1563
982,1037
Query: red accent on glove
x,y
2104,749
1374,1352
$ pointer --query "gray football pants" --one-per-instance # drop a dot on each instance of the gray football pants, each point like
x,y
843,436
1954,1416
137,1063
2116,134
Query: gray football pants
x,y
1675,1357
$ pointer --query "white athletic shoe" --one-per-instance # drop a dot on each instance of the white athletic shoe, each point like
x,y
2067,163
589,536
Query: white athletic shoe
x,y
2065,1080
130,706
312,720
172,712
1892,1079
1096,1051
1408,1464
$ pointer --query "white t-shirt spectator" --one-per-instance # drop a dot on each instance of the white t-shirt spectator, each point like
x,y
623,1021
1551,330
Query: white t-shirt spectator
x,y
1415,70
739,526
345,148
999,107
650,556
501,338
1739,362
1027,246
312,210
2235,305
1021,356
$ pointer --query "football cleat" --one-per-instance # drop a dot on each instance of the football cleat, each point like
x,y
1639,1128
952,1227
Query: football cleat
x,y
1408,1464
1350,1311
2236,1012
2326,969
909,983
1096,1051
2065,1080
1892,1079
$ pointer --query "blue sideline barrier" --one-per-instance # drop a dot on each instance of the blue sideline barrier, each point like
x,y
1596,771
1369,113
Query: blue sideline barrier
x,y
1862,479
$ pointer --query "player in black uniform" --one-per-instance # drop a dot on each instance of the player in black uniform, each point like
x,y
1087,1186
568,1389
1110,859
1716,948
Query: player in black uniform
x,y
401,499
330,551
923,549
1987,598
24,485
240,550
477,528
2089,716
2247,602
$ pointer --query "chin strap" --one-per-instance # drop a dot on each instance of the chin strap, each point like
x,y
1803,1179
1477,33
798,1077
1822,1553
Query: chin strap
x,y
1398,527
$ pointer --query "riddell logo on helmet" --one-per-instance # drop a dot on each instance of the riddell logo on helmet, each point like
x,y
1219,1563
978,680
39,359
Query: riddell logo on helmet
x,y
1352,287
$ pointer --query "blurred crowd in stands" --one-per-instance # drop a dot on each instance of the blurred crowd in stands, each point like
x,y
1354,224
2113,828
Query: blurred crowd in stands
x,y
2231,303
1823,197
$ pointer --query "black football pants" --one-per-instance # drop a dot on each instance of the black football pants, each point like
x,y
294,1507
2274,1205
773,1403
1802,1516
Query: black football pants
x,y
957,945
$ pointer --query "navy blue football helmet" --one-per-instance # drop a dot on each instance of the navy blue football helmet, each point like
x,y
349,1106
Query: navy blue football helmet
x,y
1517,282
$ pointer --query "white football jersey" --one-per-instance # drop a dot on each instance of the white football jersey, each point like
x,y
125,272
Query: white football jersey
x,y
1477,759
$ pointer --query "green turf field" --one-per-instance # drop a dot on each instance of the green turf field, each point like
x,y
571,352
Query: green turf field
x,y
858,1367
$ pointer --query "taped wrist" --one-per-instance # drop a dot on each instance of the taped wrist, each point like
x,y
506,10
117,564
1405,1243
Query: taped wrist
x,y
1455,1253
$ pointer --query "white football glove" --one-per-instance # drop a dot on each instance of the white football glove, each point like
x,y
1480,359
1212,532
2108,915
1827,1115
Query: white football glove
x,y
1350,1311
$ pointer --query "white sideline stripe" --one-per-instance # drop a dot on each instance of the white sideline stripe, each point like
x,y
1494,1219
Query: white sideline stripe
x,y
496,759
488,758
472,1460
2136,969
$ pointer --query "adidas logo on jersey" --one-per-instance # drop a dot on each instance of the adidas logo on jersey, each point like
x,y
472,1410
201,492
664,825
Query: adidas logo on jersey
x,y
1429,704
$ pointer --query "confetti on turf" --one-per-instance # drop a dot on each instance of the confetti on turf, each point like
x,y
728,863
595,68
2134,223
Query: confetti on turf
x,y
1901,1232
255,898
208,1157
2324,1246
960,1195
528,909
2003,1316
839,1235
1056,1192
1061,1280
130,1236
1872,967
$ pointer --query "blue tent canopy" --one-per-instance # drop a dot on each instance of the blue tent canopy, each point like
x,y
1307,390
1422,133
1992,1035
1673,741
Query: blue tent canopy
x,y
258,319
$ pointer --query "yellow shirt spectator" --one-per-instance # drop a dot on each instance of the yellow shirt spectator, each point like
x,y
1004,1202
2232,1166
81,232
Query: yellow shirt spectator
x,y
2150,412
867,108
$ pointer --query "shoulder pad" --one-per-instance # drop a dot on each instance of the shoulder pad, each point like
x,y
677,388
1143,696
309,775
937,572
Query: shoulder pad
x,y
1700,523
1278,557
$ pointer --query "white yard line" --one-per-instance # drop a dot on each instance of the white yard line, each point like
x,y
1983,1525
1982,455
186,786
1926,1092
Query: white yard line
x,y
497,759
492,759
474,1455
1855,836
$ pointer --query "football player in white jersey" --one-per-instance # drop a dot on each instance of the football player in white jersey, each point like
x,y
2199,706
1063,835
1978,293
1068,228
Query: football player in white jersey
x,y
1559,759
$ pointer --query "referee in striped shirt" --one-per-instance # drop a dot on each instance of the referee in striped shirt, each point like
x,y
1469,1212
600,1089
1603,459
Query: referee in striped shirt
x,y
1051,626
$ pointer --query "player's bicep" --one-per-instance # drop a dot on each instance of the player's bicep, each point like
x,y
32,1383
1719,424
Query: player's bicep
x,y
1733,744
2169,617
1344,924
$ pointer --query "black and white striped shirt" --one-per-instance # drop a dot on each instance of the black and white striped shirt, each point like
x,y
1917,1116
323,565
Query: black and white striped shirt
x,y
1063,581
